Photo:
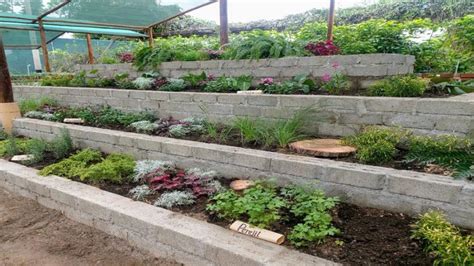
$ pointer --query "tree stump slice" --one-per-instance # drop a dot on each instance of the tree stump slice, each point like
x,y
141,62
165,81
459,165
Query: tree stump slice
x,y
328,148
240,184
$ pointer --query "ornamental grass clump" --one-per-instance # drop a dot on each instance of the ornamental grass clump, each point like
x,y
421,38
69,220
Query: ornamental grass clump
x,y
444,240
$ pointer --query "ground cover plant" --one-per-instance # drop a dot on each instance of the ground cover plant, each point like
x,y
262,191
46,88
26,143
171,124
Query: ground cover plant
x,y
390,147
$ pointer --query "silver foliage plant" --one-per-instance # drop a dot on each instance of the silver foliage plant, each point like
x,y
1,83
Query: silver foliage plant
x,y
39,115
144,126
175,198
187,126
140,192
144,167
143,83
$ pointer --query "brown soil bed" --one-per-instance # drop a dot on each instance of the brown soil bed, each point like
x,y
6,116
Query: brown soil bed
x,y
31,234
368,236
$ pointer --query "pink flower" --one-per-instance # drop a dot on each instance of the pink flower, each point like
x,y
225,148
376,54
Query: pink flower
x,y
335,65
211,77
326,78
266,81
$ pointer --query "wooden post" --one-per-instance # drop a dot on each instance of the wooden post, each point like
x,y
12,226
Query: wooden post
x,y
150,37
90,50
331,19
224,25
6,90
44,46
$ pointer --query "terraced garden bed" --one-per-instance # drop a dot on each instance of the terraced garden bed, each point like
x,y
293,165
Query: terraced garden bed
x,y
352,235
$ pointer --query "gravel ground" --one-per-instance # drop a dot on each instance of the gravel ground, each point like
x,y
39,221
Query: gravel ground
x,y
31,234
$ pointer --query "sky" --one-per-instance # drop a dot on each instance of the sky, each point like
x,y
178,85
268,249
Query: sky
x,y
252,10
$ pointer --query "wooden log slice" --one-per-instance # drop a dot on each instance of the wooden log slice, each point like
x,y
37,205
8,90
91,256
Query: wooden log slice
x,y
328,148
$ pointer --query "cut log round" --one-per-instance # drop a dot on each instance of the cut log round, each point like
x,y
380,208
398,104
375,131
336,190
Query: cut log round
x,y
329,148
239,185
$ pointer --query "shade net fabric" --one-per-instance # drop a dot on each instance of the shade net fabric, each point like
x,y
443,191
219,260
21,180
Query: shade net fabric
x,y
18,18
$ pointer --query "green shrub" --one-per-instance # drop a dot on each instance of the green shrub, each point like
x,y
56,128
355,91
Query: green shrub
x,y
260,203
229,84
38,149
258,44
299,84
449,151
444,240
376,145
61,146
74,165
313,207
195,80
3,135
174,85
399,86
59,80
115,168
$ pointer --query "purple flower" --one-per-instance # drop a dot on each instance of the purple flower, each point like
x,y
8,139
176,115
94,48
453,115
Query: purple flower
x,y
266,81
326,78
211,77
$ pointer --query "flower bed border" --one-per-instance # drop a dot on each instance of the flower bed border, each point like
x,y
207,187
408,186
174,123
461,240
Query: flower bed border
x,y
395,190
157,230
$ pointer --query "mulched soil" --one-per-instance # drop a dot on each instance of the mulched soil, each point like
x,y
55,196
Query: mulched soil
x,y
368,236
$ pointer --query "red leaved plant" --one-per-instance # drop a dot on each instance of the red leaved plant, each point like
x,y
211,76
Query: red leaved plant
x,y
322,48
177,179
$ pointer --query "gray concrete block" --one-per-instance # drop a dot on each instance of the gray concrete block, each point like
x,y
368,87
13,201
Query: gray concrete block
x,y
422,187
262,100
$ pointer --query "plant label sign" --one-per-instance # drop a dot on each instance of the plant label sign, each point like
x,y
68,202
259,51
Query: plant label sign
x,y
253,231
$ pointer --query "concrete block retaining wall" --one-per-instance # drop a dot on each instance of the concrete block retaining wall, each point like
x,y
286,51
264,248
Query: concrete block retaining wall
x,y
361,69
342,115
396,190
159,231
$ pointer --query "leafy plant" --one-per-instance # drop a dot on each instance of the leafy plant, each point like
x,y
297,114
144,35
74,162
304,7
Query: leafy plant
x,y
336,84
188,126
38,149
444,240
322,48
229,84
313,207
258,44
403,86
260,203
144,167
376,145
299,84
174,85
143,83
175,198
195,80
146,127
